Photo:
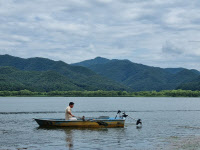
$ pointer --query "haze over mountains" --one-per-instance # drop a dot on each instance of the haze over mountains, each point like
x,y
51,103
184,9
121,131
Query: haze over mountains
x,y
41,74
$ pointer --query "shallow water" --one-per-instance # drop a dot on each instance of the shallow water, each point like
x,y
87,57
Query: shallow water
x,y
168,123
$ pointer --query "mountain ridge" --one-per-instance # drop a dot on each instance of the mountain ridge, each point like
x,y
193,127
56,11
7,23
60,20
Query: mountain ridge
x,y
81,76
100,74
192,85
142,77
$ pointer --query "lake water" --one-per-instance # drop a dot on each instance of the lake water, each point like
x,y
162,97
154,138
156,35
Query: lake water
x,y
168,123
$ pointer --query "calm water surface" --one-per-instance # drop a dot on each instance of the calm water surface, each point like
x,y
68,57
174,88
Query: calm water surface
x,y
168,123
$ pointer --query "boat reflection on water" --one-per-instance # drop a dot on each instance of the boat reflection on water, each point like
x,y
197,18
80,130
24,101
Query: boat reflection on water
x,y
138,127
75,138
71,133
69,138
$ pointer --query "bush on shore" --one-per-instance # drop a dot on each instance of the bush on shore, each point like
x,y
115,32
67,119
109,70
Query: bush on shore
x,y
100,93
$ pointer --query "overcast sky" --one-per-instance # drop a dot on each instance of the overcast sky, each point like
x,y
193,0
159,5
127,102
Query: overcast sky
x,y
162,33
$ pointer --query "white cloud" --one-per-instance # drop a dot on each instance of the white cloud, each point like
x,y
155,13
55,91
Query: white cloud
x,y
172,49
20,38
149,32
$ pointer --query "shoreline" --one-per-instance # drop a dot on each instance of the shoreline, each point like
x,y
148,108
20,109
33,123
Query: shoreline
x,y
100,93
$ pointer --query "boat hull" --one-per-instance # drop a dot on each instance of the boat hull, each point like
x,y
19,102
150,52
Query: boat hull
x,y
96,123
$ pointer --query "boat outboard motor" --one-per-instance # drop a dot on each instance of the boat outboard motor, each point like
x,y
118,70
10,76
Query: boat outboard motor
x,y
138,121
124,115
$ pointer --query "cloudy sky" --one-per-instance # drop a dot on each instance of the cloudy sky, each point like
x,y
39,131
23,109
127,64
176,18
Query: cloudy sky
x,y
163,33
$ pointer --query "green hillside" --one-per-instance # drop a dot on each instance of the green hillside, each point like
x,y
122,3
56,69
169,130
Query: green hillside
x,y
141,77
76,77
13,79
192,85
173,70
41,74
87,63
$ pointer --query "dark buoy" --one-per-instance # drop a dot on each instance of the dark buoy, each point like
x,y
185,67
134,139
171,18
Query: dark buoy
x,y
139,121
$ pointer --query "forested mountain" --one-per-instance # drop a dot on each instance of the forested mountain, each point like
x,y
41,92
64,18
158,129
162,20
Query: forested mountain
x,y
141,77
192,85
87,63
176,70
13,79
41,74
173,70
49,71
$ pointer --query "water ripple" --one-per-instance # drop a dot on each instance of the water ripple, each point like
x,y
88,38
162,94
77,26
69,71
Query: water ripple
x,y
49,112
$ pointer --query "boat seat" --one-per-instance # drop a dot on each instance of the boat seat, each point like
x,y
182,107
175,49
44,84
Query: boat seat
x,y
103,117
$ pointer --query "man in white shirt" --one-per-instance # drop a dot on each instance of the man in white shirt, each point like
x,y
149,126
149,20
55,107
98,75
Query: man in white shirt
x,y
68,113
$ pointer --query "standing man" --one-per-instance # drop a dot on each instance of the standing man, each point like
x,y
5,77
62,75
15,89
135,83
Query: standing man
x,y
68,113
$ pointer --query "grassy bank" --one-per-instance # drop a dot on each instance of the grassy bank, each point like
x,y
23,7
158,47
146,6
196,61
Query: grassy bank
x,y
165,93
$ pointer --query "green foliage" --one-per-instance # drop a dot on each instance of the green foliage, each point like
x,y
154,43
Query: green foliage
x,y
12,79
140,77
97,60
192,85
100,93
74,77
45,75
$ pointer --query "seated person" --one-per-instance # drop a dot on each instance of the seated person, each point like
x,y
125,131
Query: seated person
x,y
68,113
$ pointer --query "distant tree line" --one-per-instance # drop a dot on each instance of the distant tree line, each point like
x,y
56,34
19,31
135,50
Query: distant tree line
x,y
100,93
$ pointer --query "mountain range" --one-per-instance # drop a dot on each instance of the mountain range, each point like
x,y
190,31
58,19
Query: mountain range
x,y
41,74
192,85
140,77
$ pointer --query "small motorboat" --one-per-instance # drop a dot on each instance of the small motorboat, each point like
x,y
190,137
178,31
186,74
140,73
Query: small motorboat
x,y
102,121
86,122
